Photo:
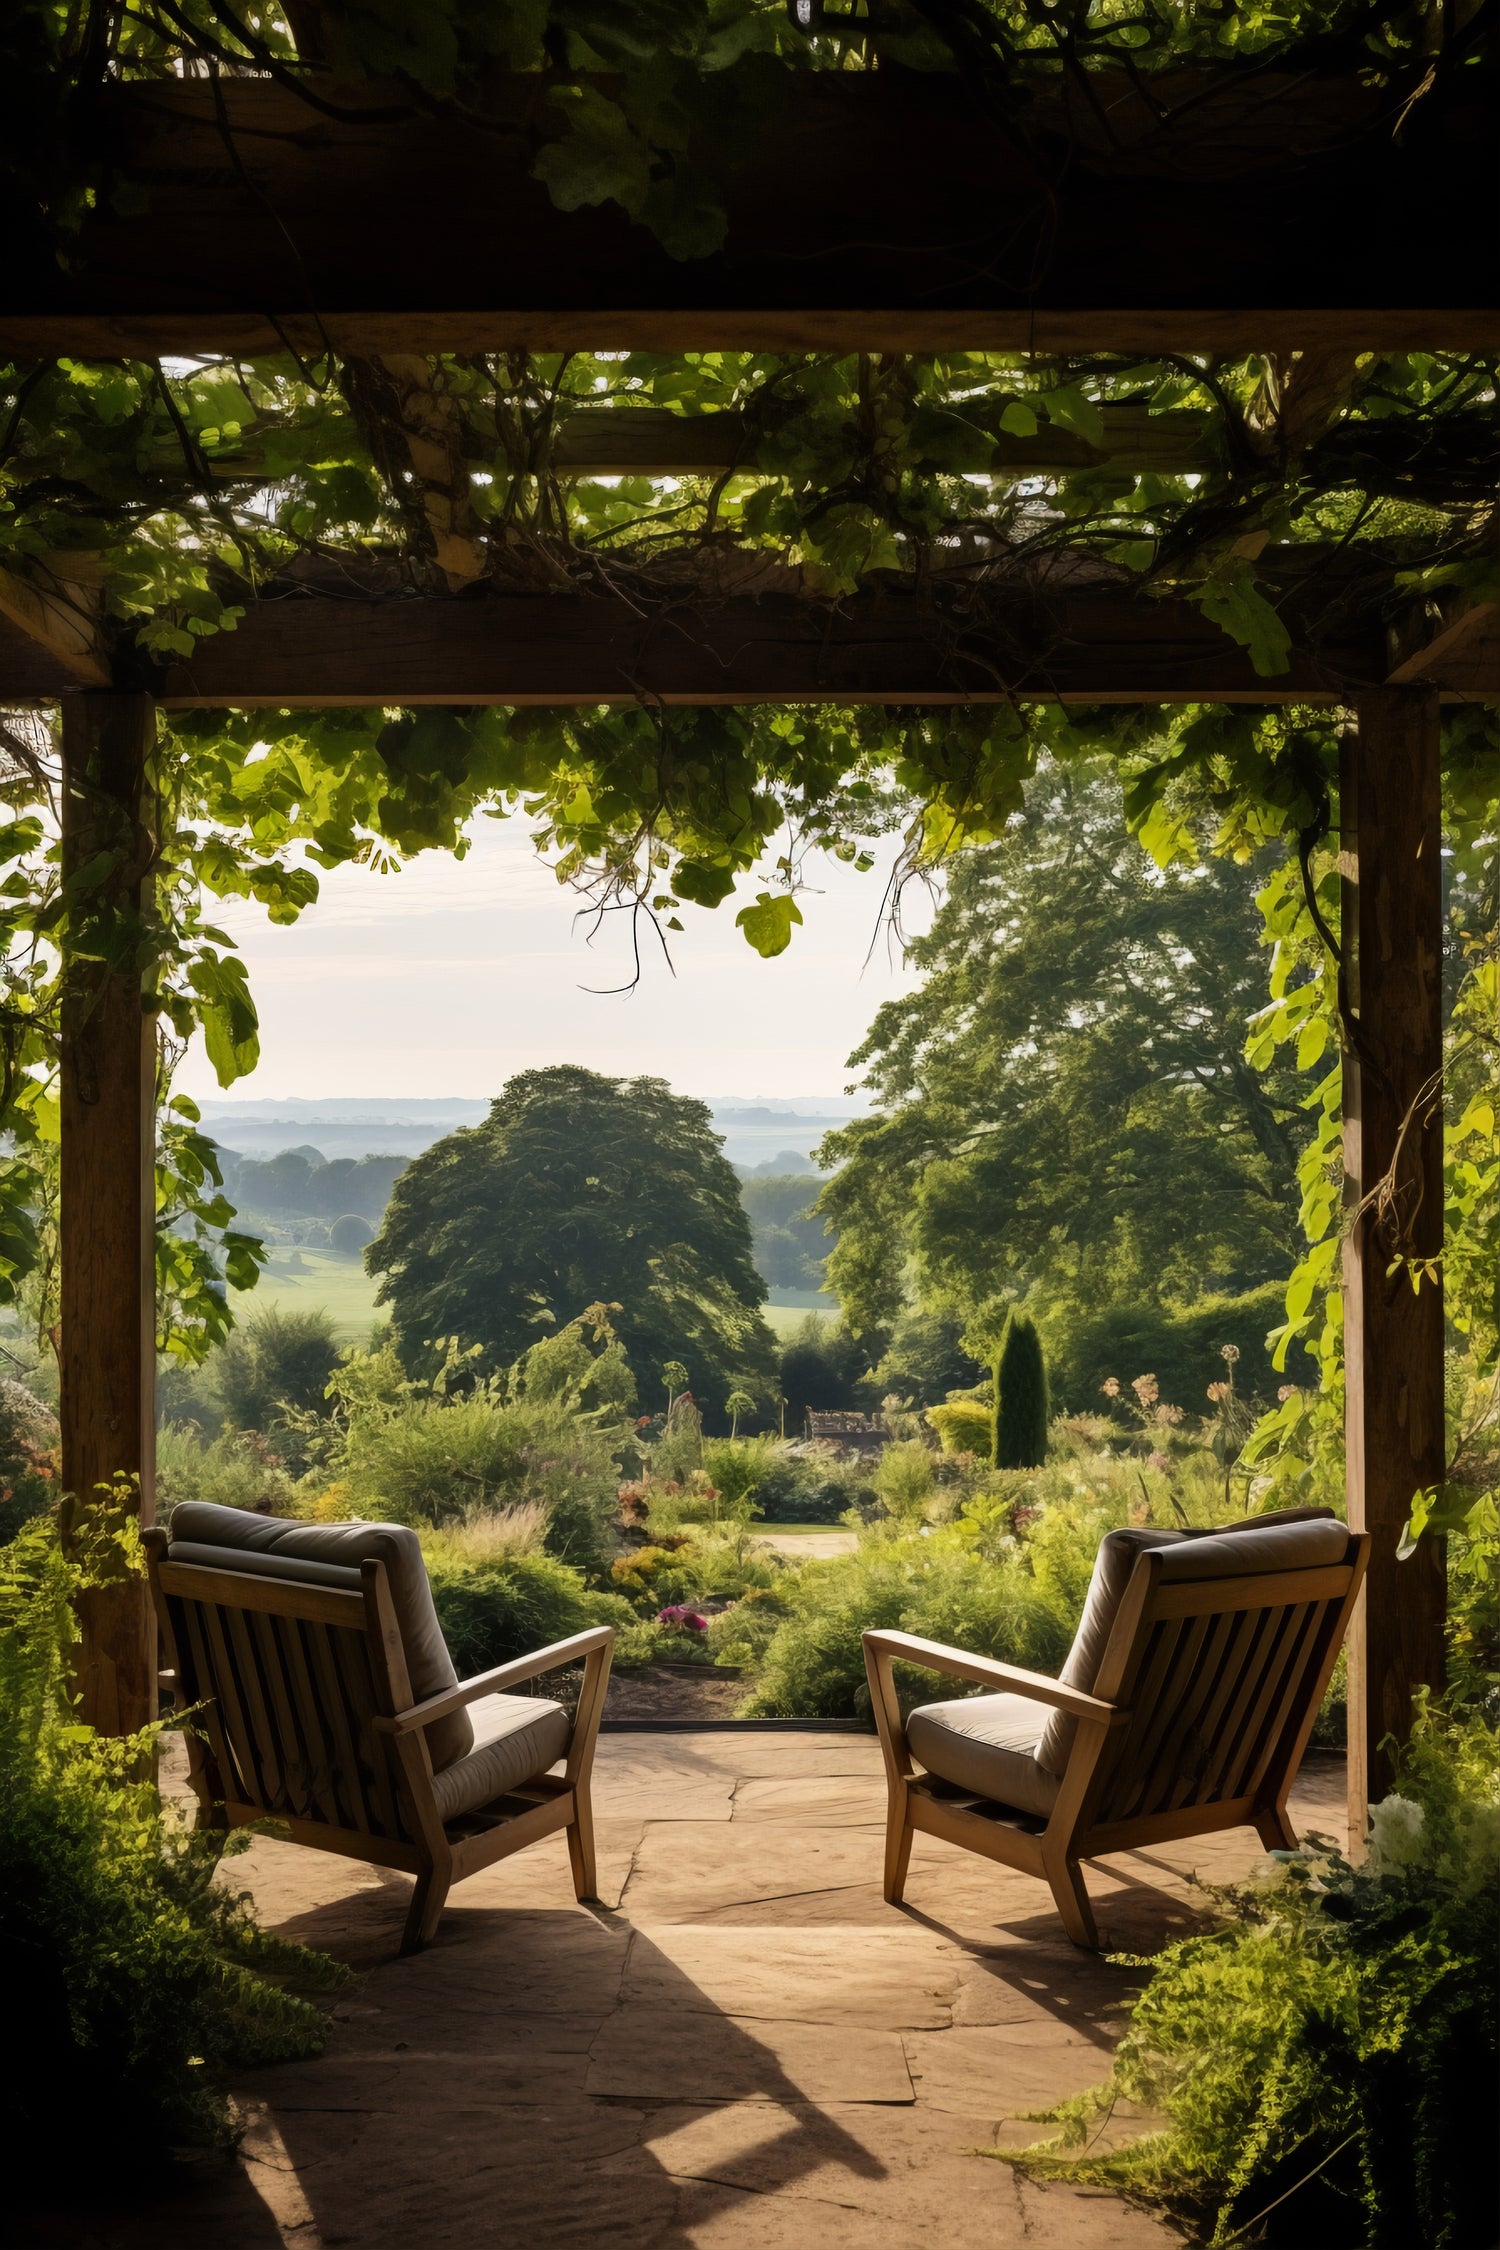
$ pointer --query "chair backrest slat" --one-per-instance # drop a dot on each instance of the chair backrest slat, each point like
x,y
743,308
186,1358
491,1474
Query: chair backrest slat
x,y
374,1759
269,1649
1171,1734
1286,1692
1273,1641
1219,1675
220,1679
286,1677
265,1750
1224,1652
348,1793
308,1717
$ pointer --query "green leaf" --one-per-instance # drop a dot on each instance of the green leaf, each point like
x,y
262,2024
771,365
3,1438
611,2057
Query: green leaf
x,y
769,922
599,158
1233,600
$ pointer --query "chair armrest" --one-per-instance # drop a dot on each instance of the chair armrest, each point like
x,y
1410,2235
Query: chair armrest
x,y
987,1671
502,1676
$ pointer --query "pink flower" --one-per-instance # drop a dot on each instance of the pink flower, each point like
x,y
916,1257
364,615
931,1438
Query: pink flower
x,y
1111,1386
682,1619
1146,1390
1157,1461
1287,1390
1218,1392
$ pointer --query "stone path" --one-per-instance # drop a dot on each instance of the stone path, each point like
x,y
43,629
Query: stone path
x,y
741,2048
804,1546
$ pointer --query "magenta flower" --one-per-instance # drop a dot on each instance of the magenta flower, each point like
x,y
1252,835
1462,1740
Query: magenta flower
x,y
682,1619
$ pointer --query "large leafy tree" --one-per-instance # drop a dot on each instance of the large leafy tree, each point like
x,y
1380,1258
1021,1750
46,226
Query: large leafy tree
x,y
579,1190
1066,1104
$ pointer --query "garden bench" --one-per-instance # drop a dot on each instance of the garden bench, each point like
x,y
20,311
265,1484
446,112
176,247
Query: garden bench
x,y
324,1698
1184,1707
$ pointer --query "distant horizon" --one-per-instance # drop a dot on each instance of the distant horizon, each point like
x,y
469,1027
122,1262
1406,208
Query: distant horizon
x,y
396,1107
462,973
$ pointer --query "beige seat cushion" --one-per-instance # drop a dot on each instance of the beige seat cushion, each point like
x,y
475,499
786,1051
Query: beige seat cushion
x,y
516,1737
1288,1539
986,1743
235,1539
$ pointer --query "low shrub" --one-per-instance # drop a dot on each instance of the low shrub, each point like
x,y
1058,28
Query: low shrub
x,y
494,1611
1326,2061
735,1469
814,1662
963,1425
651,1577
743,1632
438,1460
814,1488
237,1470
134,1978
903,1479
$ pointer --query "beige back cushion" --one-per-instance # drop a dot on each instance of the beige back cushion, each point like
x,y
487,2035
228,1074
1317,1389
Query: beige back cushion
x,y
1286,1539
268,1544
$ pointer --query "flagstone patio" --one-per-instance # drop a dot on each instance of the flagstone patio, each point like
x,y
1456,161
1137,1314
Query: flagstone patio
x,y
741,2048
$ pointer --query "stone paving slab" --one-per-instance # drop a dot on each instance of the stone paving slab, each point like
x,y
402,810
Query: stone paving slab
x,y
742,2048
1002,2070
814,1800
753,1754
648,2056
890,1980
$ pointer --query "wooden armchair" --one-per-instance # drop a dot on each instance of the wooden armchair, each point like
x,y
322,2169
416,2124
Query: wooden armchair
x,y
1184,1707
326,1700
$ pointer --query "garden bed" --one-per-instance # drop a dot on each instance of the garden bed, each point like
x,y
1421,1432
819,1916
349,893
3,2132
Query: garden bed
x,y
675,1691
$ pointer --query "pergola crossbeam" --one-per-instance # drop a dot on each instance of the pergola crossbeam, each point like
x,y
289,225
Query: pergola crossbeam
x,y
1230,213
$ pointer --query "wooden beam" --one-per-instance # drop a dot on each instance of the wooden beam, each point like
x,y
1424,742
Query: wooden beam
x,y
887,646
652,441
1464,658
61,616
1393,1156
107,1345
1228,213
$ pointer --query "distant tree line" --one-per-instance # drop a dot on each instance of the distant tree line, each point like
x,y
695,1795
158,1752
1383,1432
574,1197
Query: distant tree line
x,y
301,1183
789,1244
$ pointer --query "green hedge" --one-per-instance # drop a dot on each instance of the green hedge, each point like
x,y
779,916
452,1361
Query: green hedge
x,y
1180,1347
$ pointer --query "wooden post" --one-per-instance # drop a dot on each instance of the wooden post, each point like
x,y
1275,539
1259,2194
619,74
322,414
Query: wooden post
x,y
1393,1334
107,1342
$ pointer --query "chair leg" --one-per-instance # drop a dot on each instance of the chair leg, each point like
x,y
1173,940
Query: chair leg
x,y
1073,1903
581,1846
898,1836
1275,1830
426,1909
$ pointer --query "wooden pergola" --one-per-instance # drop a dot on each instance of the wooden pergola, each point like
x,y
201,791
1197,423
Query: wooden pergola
x,y
1259,216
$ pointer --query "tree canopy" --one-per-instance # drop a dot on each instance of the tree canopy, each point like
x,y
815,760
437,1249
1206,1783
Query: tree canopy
x,y
1066,1107
580,1190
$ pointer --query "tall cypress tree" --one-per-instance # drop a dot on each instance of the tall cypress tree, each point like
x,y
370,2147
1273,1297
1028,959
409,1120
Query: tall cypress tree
x,y
1020,1396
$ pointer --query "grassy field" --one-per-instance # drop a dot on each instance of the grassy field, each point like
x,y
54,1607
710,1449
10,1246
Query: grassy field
x,y
782,1319
338,1286
347,1294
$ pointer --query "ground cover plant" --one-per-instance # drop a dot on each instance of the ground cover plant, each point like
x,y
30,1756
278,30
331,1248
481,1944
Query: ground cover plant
x,y
1326,2058
135,1975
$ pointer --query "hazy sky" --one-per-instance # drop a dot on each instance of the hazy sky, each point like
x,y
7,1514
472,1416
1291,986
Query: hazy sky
x,y
447,978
